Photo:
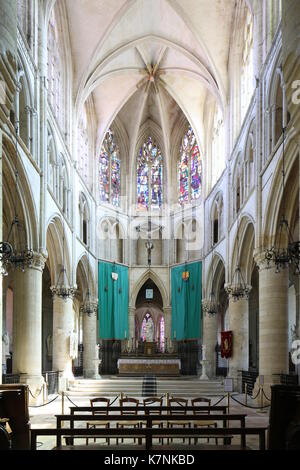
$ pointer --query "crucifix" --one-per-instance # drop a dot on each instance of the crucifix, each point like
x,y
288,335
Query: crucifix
x,y
149,245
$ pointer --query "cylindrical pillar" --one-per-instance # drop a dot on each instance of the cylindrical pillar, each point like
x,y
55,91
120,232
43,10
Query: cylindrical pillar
x,y
168,326
63,326
27,324
209,340
90,351
273,323
131,324
239,325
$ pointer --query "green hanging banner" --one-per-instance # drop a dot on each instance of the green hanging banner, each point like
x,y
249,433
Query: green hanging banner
x,y
186,288
113,300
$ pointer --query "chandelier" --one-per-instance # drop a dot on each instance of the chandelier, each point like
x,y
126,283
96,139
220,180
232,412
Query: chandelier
x,y
63,288
14,252
238,289
282,256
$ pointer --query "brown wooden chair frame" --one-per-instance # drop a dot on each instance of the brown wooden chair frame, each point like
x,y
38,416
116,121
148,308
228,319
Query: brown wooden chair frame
x,y
94,424
203,423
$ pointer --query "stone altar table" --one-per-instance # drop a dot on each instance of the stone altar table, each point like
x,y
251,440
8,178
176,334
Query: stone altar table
x,y
146,365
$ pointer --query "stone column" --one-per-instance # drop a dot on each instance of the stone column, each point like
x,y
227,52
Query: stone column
x,y
8,49
239,325
89,313
168,326
63,326
209,339
131,324
273,323
27,324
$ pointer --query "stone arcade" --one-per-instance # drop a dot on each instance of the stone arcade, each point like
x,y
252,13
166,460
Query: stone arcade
x,y
149,135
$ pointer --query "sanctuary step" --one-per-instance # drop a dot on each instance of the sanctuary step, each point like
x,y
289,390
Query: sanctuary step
x,y
112,386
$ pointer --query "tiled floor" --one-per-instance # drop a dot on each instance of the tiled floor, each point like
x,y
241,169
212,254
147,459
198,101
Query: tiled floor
x,y
44,417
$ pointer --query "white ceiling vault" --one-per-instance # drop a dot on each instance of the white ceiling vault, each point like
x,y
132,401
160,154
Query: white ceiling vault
x,y
150,60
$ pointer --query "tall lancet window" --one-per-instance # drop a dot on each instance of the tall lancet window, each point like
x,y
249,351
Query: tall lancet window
x,y
83,146
109,171
247,85
217,147
189,169
54,71
149,176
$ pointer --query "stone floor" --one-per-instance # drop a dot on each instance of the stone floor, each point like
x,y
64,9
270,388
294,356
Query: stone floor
x,y
44,417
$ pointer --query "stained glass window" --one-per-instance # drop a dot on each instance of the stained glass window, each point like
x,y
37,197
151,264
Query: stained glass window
x,y
109,170
83,146
54,70
247,85
189,169
149,176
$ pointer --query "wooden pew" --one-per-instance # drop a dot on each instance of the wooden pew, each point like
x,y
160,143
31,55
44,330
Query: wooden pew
x,y
14,405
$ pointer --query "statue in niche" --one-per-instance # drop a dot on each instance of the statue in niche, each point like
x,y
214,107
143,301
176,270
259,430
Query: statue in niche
x,y
5,340
294,333
73,345
149,333
49,345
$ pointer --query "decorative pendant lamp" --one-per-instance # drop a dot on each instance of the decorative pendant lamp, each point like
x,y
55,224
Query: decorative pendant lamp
x,y
238,289
279,255
14,252
63,287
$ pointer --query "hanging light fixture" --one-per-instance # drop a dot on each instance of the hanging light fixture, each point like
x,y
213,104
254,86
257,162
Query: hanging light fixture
x,y
88,306
14,252
278,254
63,288
238,289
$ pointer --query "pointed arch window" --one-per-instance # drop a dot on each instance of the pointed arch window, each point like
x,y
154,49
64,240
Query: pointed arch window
x,y
54,70
218,141
149,176
247,85
109,171
83,146
189,169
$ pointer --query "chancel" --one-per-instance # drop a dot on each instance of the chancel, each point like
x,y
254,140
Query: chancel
x,y
149,215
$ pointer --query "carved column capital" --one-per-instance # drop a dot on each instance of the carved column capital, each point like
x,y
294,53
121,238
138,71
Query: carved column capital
x,y
89,308
209,307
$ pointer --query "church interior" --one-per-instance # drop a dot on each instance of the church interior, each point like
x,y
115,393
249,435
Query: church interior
x,y
149,223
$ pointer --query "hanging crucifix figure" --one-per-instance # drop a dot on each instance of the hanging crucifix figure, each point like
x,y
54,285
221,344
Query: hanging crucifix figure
x,y
149,245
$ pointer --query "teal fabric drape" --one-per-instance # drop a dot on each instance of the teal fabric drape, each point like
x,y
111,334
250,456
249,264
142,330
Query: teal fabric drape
x,y
186,301
113,301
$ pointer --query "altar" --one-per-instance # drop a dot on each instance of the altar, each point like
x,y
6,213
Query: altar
x,y
146,365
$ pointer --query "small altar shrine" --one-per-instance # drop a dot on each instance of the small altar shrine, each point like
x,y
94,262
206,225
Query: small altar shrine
x,y
144,365
148,360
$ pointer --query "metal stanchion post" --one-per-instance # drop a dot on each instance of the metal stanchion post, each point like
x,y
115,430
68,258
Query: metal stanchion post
x,y
62,405
246,389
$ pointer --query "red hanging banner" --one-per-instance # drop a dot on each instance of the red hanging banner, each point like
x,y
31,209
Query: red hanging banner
x,y
226,344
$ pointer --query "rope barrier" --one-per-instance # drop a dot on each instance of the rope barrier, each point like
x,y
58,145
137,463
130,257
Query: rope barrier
x,y
114,400
39,406
35,396
219,401
247,406
265,395
254,398
71,400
